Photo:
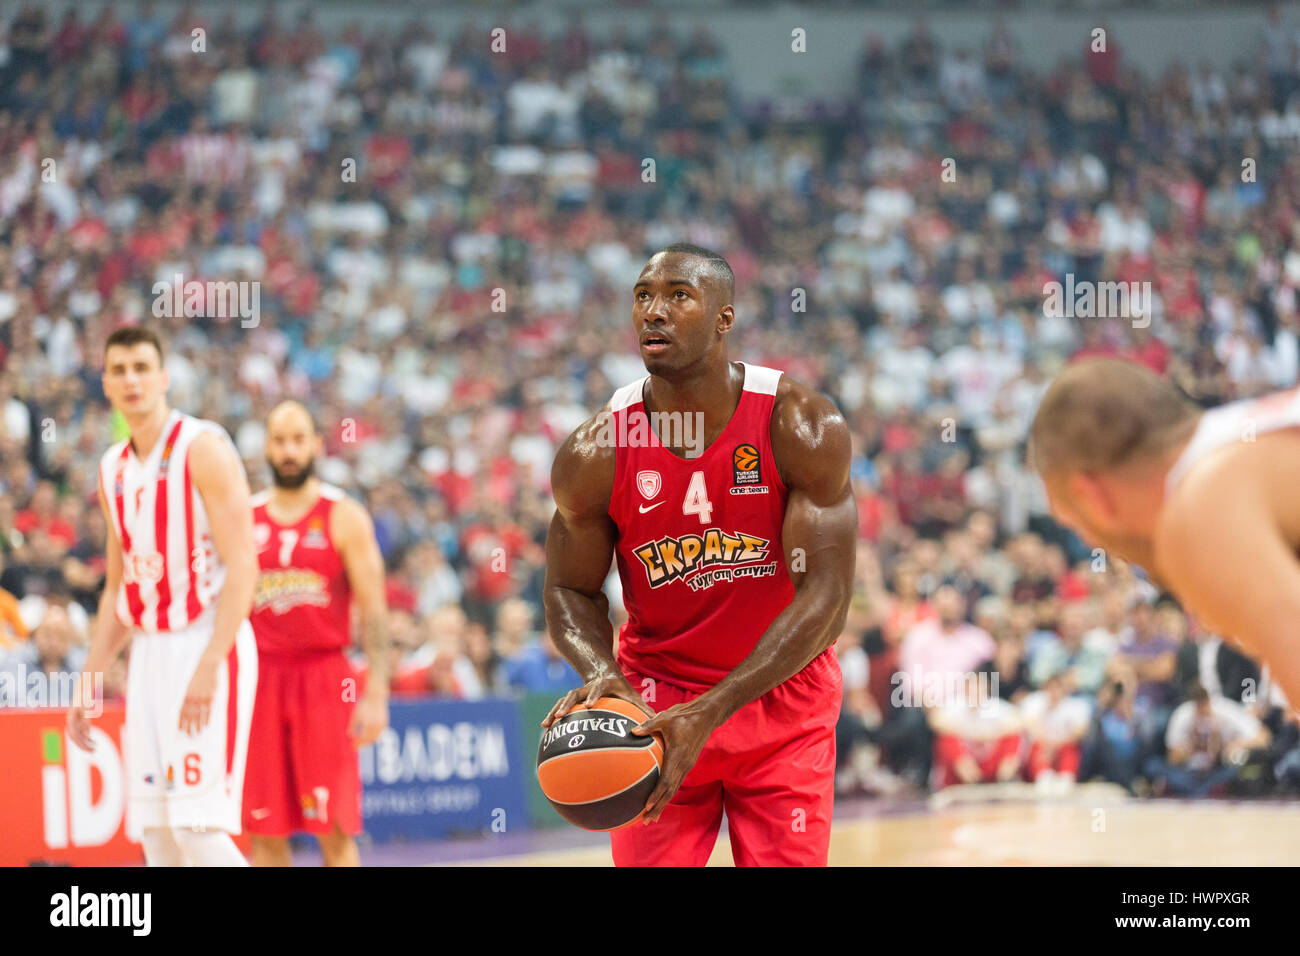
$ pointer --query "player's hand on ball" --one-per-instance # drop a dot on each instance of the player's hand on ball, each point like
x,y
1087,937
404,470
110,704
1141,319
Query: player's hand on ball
x,y
198,698
79,727
369,718
685,728
615,685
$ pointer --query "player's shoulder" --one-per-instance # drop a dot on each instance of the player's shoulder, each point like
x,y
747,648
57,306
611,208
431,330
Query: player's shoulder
x,y
208,437
808,431
113,452
1236,476
805,411
347,515
333,493
212,448
582,474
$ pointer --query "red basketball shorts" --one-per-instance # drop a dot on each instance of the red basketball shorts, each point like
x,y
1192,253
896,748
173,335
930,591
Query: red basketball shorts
x,y
302,766
770,767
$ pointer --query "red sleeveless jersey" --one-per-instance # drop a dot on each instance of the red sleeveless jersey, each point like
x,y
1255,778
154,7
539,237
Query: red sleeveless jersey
x,y
699,540
303,600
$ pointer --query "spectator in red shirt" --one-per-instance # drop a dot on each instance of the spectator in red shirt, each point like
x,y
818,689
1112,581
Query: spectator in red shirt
x,y
1102,57
1146,349
1095,342
387,155
493,546
41,514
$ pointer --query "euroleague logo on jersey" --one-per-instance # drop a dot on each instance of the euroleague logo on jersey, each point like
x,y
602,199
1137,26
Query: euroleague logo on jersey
x,y
747,478
315,536
745,461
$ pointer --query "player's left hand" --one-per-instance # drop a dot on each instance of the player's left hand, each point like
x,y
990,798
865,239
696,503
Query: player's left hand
x,y
685,728
198,698
369,718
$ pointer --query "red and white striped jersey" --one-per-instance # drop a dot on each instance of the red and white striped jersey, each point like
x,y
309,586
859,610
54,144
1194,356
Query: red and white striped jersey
x,y
171,571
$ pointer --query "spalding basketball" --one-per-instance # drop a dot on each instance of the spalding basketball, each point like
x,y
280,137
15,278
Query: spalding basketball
x,y
594,770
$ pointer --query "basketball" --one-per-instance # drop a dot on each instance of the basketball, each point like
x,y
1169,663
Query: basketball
x,y
594,770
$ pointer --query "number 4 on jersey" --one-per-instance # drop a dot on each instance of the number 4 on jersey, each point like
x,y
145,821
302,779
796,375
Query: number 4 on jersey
x,y
697,499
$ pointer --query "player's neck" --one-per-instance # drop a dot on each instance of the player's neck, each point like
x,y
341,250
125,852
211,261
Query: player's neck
x,y
147,430
295,501
1156,484
713,391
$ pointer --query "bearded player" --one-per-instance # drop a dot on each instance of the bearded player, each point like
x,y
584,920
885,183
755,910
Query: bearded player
x,y
1204,501
736,556
317,551
178,585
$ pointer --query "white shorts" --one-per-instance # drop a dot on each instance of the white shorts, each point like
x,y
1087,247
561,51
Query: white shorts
x,y
175,779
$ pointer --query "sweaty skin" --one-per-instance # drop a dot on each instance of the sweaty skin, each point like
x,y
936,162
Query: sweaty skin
x,y
1226,542
810,441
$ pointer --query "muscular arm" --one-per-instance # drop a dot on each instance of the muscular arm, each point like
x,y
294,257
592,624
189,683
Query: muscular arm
x,y
579,549
353,535
810,440
220,481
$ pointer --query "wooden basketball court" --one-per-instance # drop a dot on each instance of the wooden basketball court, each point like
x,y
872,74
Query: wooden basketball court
x,y
1081,831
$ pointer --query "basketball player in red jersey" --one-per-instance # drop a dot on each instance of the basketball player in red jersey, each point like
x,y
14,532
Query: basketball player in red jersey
x,y
316,548
1204,501
178,587
737,570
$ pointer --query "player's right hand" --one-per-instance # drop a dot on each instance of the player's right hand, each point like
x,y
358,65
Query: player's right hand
x,y
79,727
611,686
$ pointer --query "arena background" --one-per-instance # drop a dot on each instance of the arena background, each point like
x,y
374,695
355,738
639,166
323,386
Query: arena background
x,y
443,237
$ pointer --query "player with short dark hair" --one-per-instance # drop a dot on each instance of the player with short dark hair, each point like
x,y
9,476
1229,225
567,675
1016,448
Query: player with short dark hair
x,y
737,571
178,586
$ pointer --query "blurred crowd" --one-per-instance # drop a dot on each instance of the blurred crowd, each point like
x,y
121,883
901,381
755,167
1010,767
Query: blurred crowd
x,y
972,663
446,238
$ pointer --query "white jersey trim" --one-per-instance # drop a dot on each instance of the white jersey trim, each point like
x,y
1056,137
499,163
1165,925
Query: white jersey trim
x,y
761,379
1225,425
332,492
758,378
629,395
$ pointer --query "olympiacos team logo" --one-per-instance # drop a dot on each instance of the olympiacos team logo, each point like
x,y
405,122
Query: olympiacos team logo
x,y
648,483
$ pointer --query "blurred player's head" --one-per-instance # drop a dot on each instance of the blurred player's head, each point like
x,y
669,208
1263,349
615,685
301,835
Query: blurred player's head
x,y
292,444
1102,441
134,379
682,308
